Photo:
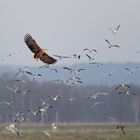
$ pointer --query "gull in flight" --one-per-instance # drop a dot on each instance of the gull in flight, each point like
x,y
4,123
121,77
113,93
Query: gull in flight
x,y
111,45
92,54
47,66
75,56
72,99
20,117
22,70
96,63
13,128
90,50
14,91
72,79
59,81
43,102
95,96
123,86
91,58
114,31
60,56
96,103
34,75
126,93
20,81
73,70
25,92
75,82
7,103
42,111
56,97
131,71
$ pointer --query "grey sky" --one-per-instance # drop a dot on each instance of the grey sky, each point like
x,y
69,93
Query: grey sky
x,y
68,26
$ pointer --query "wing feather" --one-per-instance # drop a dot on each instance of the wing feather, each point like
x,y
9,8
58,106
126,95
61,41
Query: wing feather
x,y
47,59
31,43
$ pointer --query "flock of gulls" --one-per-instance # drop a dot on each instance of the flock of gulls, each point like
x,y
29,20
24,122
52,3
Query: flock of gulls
x,y
42,55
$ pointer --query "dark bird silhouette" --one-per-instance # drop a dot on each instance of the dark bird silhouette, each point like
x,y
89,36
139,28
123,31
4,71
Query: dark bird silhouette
x,y
121,127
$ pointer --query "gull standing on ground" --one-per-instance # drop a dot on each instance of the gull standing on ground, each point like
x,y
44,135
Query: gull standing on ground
x,y
120,126
47,133
54,127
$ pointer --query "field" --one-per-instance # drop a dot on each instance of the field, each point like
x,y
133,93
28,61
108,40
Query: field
x,y
72,132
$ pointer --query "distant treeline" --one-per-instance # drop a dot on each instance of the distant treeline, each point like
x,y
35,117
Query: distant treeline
x,y
74,105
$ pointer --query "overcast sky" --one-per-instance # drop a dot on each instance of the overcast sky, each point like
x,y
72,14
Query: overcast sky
x,y
68,26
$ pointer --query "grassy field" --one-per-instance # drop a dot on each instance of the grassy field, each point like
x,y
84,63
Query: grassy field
x,y
72,132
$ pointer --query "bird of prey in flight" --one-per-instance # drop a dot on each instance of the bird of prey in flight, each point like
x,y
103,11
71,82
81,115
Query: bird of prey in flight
x,y
39,53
